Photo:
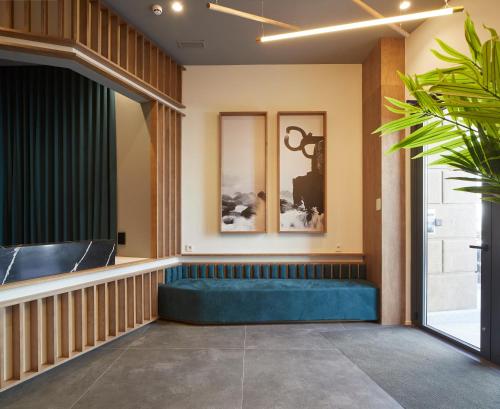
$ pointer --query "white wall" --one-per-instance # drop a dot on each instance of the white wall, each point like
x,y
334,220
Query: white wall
x,y
450,29
419,59
134,180
207,90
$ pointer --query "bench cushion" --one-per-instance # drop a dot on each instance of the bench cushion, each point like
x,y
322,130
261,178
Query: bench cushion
x,y
267,300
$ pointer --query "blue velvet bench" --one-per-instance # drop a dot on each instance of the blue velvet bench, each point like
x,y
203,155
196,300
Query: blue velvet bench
x,y
257,293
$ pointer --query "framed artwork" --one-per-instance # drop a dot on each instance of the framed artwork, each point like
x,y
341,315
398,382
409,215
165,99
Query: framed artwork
x,y
243,174
302,171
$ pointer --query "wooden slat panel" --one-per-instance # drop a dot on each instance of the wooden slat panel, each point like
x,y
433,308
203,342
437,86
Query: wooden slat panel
x,y
132,51
105,33
95,25
168,66
173,79
178,185
154,67
64,327
123,34
154,294
179,84
139,56
91,313
114,35
172,183
75,20
122,306
55,24
21,15
35,335
102,319
161,71
130,302
147,61
139,312
83,24
167,135
6,14
17,341
78,320
146,278
51,330
66,18
112,309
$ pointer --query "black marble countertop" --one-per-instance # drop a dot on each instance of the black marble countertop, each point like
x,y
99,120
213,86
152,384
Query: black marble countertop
x,y
33,261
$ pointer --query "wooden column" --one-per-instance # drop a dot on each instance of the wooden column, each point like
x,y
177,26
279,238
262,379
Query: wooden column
x,y
384,180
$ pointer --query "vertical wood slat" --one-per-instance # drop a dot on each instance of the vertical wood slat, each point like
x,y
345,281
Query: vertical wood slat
x,y
18,341
102,319
178,94
154,294
178,185
131,51
172,183
154,67
123,55
83,24
139,49
7,13
78,320
94,25
130,302
112,309
147,296
168,66
51,330
167,135
75,20
147,61
122,306
104,32
161,71
139,310
64,328
35,307
114,39
91,311
154,133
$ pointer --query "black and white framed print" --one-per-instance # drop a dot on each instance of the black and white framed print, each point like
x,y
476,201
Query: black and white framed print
x,y
302,171
243,192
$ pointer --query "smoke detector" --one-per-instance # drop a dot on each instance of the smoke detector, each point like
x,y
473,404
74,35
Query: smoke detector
x,y
157,9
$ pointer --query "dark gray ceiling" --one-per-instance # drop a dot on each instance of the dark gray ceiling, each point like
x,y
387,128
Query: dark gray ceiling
x,y
231,40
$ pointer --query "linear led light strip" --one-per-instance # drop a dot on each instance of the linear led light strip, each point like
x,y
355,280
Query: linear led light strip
x,y
362,24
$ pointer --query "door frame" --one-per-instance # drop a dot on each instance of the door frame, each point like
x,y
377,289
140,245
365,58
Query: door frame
x,y
418,257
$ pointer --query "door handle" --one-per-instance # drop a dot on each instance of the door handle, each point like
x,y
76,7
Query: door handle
x,y
484,247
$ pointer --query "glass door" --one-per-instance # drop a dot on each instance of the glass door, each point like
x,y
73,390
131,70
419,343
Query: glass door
x,y
452,252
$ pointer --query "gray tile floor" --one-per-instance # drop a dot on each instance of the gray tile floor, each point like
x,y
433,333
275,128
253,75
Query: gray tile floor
x,y
167,365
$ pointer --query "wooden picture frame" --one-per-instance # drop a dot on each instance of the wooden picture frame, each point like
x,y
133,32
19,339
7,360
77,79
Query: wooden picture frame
x,y
243,175
302,204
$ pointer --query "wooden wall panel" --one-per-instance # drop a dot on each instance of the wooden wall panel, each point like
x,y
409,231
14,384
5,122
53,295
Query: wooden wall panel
x,y
383,179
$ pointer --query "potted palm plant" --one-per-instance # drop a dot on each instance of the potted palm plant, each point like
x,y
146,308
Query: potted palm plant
x,y
457,112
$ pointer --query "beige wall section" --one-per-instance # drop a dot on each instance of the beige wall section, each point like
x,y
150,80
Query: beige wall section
x,y
207,90
419,59
134,177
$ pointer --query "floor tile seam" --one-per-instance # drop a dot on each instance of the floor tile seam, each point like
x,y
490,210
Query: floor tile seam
x,y
243,368
373,380
102,374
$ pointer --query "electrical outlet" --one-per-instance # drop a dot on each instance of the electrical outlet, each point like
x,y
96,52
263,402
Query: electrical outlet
x,y
378,204
188,248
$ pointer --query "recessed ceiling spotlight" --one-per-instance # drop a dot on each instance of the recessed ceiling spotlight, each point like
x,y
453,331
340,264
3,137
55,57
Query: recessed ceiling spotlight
x,y
177,6
404,5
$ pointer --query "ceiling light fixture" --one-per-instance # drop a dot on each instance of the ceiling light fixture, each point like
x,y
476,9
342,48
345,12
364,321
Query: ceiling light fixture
x,y
362,24
248,16
177,6
404,5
